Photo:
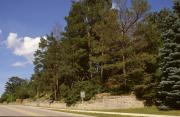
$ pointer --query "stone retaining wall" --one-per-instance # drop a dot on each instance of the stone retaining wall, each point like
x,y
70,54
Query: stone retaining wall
x,y
100,103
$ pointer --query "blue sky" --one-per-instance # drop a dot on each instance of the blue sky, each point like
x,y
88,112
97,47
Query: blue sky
x,y
23,22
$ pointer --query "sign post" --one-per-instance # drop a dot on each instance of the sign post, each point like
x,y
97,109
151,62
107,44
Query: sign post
x,y
82,94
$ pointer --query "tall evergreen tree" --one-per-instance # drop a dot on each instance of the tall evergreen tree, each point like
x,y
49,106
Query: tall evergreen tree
x,y
79,33
146,44
169,87
128,18
95,10
122,54
103,45
46,66
37,78
75,44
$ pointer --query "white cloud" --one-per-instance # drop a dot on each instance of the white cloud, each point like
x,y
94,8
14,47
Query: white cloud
x,y
20,64
12,41
22,46
0,34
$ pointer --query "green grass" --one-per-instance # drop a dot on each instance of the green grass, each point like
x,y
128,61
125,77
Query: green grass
x,y
95,114
147,110
103,115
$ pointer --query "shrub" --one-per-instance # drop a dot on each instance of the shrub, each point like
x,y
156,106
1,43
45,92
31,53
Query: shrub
x,y
7,97
146,92
139,91
122,89
63,91
73,94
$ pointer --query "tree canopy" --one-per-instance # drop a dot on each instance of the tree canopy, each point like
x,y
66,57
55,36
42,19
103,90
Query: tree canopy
x,y
105,49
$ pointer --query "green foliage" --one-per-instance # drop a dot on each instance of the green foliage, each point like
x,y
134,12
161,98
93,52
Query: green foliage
x,y
120,90
169,87
12,84
146,47
106,50
17,88
22,91
7,97
146,92
64,90
73,93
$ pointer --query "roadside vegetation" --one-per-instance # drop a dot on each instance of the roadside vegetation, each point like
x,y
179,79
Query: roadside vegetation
x,y
103,115
95,114
118,50
147,110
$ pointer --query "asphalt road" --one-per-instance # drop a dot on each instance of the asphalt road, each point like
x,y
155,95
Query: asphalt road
x,y
16,110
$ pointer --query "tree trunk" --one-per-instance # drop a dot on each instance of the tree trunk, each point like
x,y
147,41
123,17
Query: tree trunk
x,y
101,73
89,43
124,66
55,94
90,63
37,93
102,67
124,59
57,87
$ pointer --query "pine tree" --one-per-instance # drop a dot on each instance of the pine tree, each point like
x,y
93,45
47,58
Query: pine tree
x,y
169,87
94,12
145,73
80,35
128,18
37,78
75,45
51,65
121,51
47,66
97,14
102,45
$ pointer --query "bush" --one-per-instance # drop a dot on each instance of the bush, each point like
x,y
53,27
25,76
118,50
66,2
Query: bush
x,y
72,95
164,108
139,91
122,89
7,97
22,92
4,97
149,99
146,92
63,91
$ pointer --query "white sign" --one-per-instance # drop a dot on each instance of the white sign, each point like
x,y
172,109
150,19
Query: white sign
x,y
82,94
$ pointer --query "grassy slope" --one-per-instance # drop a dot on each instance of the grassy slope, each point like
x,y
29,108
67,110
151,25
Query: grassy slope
x,y
147,110
104,115
95,114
